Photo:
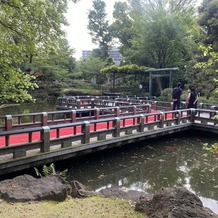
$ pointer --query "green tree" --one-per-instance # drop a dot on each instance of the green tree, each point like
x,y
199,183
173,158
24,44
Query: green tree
x,y
27,27
164,33
91,68
121,28
98,26
203,69
209,23
54,68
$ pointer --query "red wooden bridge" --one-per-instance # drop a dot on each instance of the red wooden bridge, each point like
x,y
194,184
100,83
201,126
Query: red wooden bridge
x,y
28,140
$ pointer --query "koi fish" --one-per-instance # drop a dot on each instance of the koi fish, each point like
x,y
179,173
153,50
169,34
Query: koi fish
x,y
170,146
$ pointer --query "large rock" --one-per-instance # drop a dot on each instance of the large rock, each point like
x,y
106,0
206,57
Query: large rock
x,y
78,190
174,202
27,188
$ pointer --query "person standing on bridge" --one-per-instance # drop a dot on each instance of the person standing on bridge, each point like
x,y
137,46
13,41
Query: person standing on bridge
x,y
192,97
176,96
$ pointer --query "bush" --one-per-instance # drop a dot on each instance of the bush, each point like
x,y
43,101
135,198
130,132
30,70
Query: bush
x,y
166,95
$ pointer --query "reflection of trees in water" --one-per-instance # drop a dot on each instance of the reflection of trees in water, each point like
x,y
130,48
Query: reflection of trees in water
x,y
152,167
25,108
149,172
204,177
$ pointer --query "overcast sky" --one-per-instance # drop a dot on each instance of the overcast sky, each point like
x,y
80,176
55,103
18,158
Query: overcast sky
x,y
77,32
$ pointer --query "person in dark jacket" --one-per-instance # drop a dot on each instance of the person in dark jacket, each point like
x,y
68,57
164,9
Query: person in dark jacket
x,y
176,96
192,97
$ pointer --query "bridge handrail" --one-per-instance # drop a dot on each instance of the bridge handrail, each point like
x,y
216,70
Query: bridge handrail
x,y
49,118
82,124
117,111
83,131
168,116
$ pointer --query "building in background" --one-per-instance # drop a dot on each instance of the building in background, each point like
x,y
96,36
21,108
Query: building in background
x,y
86,53
113,53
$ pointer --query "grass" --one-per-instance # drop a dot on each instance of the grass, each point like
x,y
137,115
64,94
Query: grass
x,y
92,207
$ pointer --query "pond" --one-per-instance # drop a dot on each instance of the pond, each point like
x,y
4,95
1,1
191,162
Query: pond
x,y
42,106
175,160
148,166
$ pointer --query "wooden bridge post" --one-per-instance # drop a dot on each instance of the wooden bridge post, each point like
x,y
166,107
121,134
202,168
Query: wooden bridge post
x,y
44,119
73,116
201,105
8,122
171,105
92,103
78,103
116,125
155,105
86,130
45,137
97,113
141,122
162,118
178,117
103,104
134,109
149,108
117,111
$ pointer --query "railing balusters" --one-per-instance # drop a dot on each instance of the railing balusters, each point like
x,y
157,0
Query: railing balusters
x,y
30,137
34,119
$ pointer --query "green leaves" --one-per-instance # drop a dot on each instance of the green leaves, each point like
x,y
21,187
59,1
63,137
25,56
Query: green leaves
x,y
156,34
27,27
50,170
99,27
123,69
91,68
14,86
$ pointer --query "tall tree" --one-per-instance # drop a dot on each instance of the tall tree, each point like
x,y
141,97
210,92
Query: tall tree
x,y
205,71
163,32
121,28
26,26
98,27
209,23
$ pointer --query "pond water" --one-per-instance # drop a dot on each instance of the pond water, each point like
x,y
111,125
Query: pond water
x,y
42,106
148,166
175,160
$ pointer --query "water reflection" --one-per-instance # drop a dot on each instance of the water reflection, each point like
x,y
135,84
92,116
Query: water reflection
x,y
165,162
26,108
